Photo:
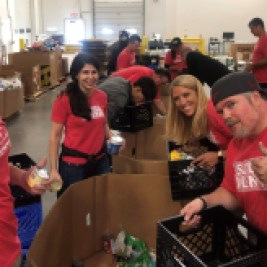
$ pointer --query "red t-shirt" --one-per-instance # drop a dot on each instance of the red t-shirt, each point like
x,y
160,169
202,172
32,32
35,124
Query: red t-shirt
x,y
134,73
80,134
219,133
174,62
241,181
125,59
10,248
260,52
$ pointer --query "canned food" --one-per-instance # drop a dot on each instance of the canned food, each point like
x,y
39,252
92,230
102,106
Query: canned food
x,y
37,176
107,243
40,175
114,144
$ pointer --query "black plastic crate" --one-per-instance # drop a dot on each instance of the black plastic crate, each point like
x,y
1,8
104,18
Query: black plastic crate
x,y
134,118
22,197
189,181
217,241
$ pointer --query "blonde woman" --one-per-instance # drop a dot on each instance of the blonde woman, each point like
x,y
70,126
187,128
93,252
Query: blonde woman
x,y
193,123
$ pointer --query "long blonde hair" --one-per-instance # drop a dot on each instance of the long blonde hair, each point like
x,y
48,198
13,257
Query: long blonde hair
x,y
180,128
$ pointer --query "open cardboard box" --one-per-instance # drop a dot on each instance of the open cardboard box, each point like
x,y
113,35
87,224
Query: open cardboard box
x,y
74,228
148,143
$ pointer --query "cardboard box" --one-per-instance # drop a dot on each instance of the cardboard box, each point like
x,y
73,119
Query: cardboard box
x,y
123,164
74,228
11,100
148,143
237,50
32,58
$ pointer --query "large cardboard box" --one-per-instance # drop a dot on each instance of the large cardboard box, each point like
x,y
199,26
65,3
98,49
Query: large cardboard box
x,y
149,143
123,164
32,58
30,77
74,228
11,100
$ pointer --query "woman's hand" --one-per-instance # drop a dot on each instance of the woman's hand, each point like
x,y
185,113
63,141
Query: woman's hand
x,y
207,160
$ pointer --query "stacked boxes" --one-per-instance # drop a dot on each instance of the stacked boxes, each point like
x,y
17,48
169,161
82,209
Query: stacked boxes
x,y
11,99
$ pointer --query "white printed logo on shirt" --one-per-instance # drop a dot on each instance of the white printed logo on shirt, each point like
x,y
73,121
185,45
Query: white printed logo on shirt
x,y
97,112
4,141
246,180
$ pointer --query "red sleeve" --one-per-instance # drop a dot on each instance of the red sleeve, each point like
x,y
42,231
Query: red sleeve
x,y
168,59
123,60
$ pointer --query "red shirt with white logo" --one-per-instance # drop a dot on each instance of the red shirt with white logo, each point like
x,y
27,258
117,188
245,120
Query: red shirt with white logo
x,y
125,59
260,52
80,134
10,248
241,180
134,73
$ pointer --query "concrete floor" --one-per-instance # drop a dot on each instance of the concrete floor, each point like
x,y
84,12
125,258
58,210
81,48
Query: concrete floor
x,y
29,133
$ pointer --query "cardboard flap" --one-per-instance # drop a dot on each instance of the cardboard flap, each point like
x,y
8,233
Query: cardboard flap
x,y
134,202
52,245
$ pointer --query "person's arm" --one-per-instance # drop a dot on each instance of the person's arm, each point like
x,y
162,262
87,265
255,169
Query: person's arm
x,y
209,159
219,197
54,143
160,106
250,66
20,177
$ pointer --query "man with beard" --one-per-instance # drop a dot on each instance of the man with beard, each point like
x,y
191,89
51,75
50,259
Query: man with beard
x,y
242,104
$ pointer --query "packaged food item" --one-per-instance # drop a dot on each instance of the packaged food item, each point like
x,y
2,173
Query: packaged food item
x,y
39,175
108,241
114,144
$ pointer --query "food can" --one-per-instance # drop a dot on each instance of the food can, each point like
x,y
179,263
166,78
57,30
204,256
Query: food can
x,y
37,176
107,243
114,144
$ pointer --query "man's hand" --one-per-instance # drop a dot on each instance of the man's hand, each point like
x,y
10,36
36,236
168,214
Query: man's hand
x,y
190,212
207,160
259,164
37,189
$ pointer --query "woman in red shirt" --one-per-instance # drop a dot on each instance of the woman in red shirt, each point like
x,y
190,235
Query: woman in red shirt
x,y
173,60
80,113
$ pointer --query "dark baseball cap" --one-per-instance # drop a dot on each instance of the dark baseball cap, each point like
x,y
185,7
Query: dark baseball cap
x,y
233,84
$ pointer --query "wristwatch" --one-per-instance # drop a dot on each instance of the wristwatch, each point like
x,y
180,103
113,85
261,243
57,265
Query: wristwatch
x,y
220,155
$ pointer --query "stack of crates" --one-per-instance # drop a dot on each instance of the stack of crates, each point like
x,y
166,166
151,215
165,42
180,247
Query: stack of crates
x,y
28,208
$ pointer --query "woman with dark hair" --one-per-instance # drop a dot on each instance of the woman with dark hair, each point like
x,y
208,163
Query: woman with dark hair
x,y
173,60
80,113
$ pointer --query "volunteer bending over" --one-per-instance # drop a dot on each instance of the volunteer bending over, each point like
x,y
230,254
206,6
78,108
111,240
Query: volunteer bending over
x,y
193,124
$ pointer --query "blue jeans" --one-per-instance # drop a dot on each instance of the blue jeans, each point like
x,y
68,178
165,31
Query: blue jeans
x,y
72,173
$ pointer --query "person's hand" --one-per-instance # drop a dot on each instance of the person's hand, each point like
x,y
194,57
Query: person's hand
x,y
207,160
190,212
259,164
54,175
37,189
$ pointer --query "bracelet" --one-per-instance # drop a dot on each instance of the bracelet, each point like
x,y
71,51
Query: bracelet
x,y
204,202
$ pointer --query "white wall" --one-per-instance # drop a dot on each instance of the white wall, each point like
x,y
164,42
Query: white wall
x,y
208,18
170,18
